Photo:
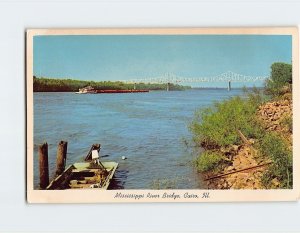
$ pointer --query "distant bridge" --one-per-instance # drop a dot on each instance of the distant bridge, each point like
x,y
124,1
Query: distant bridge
x,y
227,77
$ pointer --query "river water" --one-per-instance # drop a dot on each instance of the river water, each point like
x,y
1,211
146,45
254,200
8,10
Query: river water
x,y
148,128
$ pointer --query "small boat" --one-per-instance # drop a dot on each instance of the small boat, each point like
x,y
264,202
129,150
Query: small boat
x,y
86,175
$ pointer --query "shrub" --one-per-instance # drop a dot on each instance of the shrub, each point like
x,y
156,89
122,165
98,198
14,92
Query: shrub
x,y
208,160
288,122
272,146
217,126
280,80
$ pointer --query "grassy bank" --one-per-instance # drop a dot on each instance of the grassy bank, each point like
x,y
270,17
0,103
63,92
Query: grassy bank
x,y
71,85
216,130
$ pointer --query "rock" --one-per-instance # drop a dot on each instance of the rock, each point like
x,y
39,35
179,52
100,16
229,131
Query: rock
x,y
247,149
224,150
276,116
235,148
252,141
244,163
230,168
242,175
286,102
275,182
236,162
225,186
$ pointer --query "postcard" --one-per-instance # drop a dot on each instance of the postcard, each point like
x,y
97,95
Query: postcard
x,y
162,115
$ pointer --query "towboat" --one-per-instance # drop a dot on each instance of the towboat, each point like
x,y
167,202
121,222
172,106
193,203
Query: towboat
x,y
86,90
92,173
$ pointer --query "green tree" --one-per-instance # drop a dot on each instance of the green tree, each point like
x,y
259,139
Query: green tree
x,y
280,80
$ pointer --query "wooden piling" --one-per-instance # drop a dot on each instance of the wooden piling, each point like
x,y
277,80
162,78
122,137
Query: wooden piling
x,y
61,157
44,167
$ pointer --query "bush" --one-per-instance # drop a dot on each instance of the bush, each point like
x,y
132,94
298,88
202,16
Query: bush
x,y
280,80
272,146
208,160
217,126
288,122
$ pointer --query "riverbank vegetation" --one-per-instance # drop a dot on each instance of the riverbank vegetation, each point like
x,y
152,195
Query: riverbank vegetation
x,y
264,117
70,85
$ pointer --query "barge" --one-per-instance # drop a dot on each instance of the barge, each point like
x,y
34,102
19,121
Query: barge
x,y
91,90
119,91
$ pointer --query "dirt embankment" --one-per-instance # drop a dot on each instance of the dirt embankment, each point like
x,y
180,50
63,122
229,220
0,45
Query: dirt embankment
x,y
274,117
243,173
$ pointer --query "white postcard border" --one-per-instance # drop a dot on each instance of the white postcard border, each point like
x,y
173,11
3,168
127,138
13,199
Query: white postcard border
x,y
130,196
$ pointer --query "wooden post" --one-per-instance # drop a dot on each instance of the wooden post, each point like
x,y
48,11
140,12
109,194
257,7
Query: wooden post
x,y
44,167
61,157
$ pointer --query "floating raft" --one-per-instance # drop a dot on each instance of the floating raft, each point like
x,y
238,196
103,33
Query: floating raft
x,y
85,175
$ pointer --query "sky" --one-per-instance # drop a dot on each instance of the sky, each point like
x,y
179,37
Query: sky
x,y
123,57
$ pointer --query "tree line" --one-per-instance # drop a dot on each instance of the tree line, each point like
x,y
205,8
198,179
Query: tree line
x,y
42,84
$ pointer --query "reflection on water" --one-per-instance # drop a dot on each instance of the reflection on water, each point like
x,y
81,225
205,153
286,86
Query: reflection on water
x,y
147,128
